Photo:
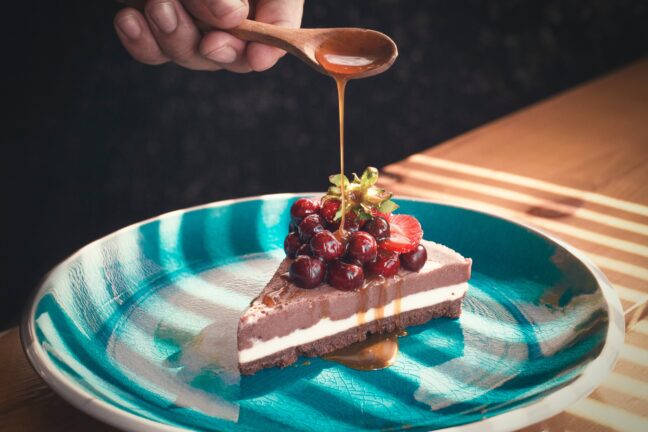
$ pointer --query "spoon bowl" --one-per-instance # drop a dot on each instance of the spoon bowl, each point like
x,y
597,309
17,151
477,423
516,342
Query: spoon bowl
x,y
345,53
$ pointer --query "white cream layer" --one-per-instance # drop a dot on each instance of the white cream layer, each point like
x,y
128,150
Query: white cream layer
x,y
327,327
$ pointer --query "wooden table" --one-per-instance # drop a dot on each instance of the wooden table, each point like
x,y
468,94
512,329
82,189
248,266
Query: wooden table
x,y
575,165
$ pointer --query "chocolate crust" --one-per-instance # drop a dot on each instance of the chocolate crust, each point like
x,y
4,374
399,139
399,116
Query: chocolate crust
x,y
448,309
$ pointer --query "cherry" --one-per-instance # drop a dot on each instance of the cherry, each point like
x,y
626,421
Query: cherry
x,y
386,264
325,245
344,276
304,207
362,247
307,272
329,209
414,260
310,226
351,223
292,227
291,244
377,227
304,249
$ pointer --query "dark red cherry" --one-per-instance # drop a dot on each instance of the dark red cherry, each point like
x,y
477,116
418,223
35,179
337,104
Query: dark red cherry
x,y
304,207
304,249
325,245
386,264
291,244
307,272
351,223
329,210
377,227
414,260
310,226
344,276
362,247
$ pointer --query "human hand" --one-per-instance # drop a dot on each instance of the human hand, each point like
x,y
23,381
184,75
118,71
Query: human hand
x,y
168,30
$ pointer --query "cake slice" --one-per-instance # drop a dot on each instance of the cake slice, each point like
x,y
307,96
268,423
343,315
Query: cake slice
x,y
352,268
286,321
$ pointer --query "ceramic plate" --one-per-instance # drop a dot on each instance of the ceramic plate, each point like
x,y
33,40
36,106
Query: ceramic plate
x,y
139,330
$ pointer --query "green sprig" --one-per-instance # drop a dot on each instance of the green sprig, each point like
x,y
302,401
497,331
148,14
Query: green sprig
x,y
362,197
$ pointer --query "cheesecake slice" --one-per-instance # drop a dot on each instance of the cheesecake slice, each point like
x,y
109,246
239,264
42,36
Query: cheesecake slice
x,y
286,321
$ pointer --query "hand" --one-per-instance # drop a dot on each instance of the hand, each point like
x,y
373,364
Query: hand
x,y
167,30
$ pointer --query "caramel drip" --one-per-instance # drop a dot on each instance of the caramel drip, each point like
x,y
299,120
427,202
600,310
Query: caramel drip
x,y
341,85
363,305
272,298
342,67
376,352
397,300
382,301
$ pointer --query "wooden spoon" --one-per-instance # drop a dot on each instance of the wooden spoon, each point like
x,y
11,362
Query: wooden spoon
x,y
344,53
340,52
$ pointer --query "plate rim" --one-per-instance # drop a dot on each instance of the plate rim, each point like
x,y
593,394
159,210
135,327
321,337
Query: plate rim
x,y
545,407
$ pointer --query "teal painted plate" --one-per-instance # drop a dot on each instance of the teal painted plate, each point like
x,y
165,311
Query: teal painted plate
x,y
139,330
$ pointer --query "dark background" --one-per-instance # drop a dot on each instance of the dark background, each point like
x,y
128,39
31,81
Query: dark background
x,y
94,141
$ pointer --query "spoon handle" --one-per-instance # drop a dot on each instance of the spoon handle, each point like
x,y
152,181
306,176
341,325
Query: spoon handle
x,y
297,42
281,37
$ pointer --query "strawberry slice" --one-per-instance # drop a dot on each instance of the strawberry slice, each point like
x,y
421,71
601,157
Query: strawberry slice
x,y
405,234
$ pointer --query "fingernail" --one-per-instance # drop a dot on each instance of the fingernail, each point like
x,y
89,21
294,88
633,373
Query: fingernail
x,y
225,7
164,16
130,26
224,54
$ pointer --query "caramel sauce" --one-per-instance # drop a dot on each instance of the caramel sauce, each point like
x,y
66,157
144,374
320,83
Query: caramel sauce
x,y
397,300
344,62
273,298
341,86
363,306
375,352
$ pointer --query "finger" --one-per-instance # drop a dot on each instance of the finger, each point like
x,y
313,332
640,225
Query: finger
x,y
285,13
134,33
176,34
223,14
225,50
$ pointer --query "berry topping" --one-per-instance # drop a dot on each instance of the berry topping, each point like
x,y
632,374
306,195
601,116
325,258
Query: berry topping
x,y
329,208
304,207
310,226
414,260
304,249
405,233
307,272
292,227
345,277
351,225
377,227
386,264
362,247
291,244
326,246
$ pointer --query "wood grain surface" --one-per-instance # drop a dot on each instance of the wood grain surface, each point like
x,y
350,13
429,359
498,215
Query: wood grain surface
x,y
575,165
